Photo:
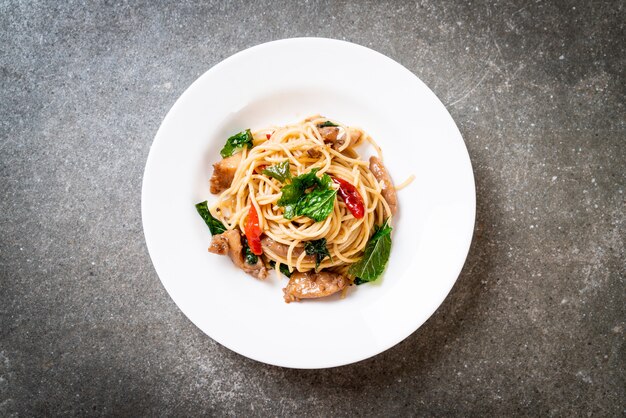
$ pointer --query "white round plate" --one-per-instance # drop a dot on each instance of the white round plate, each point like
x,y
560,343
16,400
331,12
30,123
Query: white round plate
x,y
274,84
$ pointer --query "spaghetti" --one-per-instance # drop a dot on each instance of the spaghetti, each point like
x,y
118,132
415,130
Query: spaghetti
x,y
320,165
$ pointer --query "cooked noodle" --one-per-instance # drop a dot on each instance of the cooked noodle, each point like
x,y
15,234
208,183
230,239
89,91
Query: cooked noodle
x,y
406,182
304,148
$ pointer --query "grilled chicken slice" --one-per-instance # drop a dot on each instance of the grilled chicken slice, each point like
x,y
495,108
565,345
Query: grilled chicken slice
x,y
388,191
229,243
336,137
280,249
311,285
224,172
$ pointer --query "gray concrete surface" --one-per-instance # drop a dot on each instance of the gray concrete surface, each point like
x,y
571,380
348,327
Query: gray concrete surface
x,y
535,323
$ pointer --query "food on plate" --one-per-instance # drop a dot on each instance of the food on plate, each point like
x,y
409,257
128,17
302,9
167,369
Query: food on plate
x,y
300,200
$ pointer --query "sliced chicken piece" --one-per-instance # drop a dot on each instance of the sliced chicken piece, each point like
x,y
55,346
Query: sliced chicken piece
x,y
311,285
229,243
221,246
224,172
281,249
329,133
337,137
389,192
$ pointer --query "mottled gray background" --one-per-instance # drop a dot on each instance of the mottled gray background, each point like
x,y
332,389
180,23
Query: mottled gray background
x,y
535,323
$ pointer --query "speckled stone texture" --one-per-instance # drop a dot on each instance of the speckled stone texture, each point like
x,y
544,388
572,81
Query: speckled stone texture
x,y
535,323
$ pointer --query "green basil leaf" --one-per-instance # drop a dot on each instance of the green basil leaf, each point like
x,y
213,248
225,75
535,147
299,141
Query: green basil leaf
x,y
290,210
318,249
248,255
304,181
283,268
317,205
235,143
279,171
326,124
291,193
325,182
375,257
215,226
380,231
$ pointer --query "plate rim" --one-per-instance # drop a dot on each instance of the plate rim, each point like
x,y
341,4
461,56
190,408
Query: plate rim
x,y
468,236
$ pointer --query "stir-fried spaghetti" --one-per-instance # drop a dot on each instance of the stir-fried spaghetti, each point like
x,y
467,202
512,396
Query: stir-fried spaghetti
x,y
304,200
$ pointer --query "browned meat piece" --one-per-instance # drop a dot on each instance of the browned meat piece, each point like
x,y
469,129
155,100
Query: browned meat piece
x,y
229,243
313,285
337,137
313,153
329,133
281,249
389,192
219,244
223,173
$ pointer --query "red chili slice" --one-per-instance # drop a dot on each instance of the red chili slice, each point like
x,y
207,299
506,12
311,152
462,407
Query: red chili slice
x,y
253,231
351,197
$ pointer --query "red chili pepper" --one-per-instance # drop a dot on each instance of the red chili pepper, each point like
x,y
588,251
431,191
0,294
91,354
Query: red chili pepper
x,y
268,136
253,231
351,197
